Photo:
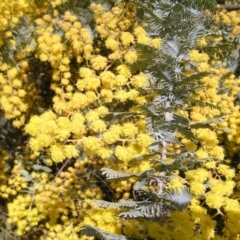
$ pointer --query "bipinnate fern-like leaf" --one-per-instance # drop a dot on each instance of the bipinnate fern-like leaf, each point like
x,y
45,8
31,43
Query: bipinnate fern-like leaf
x,y
135,214
153,208
100,234
167,136
210,5
218,49
196,32
181,198
196,102
183,121
150,157
147,209
113,174
39,167
149,11
122,204
188,81
186,155
26,175
120,176
140,184
207,124
172,47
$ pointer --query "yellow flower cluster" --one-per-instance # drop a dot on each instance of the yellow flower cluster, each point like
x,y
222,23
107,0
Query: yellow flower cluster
x,y
231,229
230,19
217,193
200,59
117,39
3,173
95,83
56,200
15,74
11,11
105,219
77,125
20,213
49,131
59,50
232,122
176,228
62,231
226,103
12,181
12,94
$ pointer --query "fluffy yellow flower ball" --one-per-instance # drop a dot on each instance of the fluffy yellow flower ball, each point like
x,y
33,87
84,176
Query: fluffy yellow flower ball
x,y
131,56
98,62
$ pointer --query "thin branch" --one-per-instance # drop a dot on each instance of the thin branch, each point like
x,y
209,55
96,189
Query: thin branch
x,y
61,169
230,7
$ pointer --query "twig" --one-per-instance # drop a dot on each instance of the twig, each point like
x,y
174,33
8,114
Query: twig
x,y
4,214
61,169
230,7
218,213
